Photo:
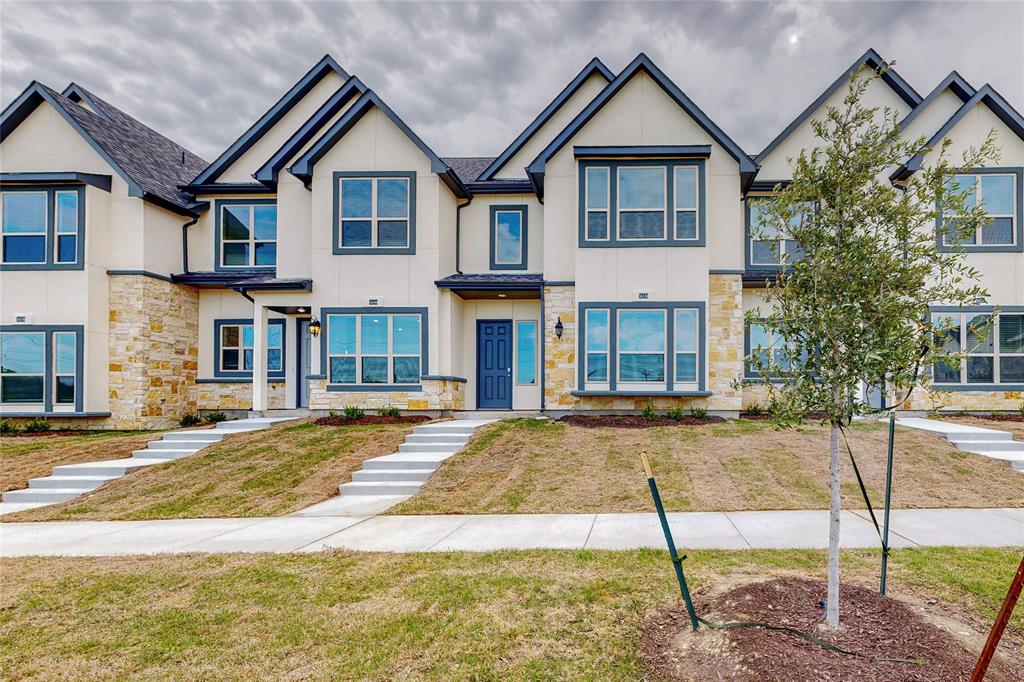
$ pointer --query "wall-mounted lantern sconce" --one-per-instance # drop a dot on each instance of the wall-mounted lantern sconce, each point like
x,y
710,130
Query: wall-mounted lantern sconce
x,y
559,328
314,327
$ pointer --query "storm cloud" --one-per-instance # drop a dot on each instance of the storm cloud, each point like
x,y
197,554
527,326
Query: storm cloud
x,y
468,77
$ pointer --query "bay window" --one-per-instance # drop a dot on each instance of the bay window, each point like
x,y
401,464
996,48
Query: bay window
x,y
641,203
641,347
384,350
999,193
42,227
40,368
374,212
992,344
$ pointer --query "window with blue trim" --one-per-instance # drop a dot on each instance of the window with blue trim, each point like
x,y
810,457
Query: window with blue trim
x,y
641,348
508,237
763,347
374,213
641,203
42,227
247,234
371,349
526,352
40,368
769,244
998,194
992,345
235,348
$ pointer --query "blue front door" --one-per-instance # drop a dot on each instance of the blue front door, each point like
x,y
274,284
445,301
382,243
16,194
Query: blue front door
x,y
494,364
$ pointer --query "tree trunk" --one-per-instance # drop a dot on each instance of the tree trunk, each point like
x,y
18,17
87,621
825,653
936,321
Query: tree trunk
x,y
832,606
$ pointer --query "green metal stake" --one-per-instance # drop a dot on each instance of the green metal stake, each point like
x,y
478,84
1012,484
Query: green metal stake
x,y
676,560
888,502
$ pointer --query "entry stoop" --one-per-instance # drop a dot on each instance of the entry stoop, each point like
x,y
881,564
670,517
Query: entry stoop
x,y
405,472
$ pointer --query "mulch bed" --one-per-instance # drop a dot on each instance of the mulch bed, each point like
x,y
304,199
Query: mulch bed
x,y
876,626
995,416
372,419
633,421
47,434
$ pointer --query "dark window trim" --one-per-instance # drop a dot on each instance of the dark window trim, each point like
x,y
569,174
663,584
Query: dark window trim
x,y
51,227
980,310
670,348
218,265
670,227
492,241
336,246
1018,228
379,310
747,239
219,373
48,377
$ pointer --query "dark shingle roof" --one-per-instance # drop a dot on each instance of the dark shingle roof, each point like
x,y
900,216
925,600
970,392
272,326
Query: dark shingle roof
x,y
469,168
490,279
158,165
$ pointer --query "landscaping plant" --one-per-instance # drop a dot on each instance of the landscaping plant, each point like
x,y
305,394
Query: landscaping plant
x,y
675,414
389,411
37,425
189,420
855,306
353,412
649,413
9,428
699,412
215,417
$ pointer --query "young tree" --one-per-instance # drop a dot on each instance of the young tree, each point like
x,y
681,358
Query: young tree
x,y
854,306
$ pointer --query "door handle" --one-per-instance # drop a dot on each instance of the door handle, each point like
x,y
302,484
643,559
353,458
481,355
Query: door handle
x,y
509,370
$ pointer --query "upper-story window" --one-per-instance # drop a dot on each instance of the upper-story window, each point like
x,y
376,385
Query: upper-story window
x,y
246,234
42,228
992,345
641,203
374,212
234,348
41,368
999,193
768,243
508,241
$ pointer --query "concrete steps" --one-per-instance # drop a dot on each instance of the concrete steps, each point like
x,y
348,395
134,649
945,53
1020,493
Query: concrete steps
x,y
405,472
981,441
68,481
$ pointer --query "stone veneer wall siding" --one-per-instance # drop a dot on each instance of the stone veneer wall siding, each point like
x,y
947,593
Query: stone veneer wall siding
x,y
442,395
236,395
560,354
964,401
725,342
153,346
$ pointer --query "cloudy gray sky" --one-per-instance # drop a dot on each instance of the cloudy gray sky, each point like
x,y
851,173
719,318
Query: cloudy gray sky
x,y
469,77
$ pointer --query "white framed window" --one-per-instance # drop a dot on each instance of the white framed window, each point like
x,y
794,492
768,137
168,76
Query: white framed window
x,y
508,237
687,198
641,192
598,202
65,367
687,346
41,368
372,348
997,194
374,212
235,348
597,345
23,362
247,234
41,227
641,340
66,227
993,344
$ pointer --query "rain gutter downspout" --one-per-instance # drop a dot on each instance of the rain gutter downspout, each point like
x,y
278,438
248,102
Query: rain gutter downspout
x,y
184,243
458,234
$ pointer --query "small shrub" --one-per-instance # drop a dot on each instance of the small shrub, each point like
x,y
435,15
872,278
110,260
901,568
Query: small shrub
x,y
332,414
353,412
755,410
37,425
675,414
190,420
649,413
1020,408
699,413
9,428
389,411
215,417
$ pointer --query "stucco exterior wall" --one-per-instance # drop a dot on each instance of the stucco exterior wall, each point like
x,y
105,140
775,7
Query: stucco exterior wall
x,y
475,242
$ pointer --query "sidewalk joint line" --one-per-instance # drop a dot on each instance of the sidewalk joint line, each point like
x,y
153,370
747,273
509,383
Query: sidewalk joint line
x,y
450,533
330,535
590,530
738,531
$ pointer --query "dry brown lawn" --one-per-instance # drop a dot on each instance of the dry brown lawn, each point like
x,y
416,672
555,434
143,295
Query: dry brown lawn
x,y
548,615
262,473
25,457
534,466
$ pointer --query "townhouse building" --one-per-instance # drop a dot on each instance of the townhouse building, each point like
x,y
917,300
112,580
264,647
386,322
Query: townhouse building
x,y
329,257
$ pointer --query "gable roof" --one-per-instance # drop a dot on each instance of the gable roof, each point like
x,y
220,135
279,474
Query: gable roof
x,y
323,67
870,59
954,82
642,62
469,168
303,167
152,165
595,66
986,95
267,173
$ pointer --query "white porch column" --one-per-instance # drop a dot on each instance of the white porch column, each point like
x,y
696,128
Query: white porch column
x,y
259,357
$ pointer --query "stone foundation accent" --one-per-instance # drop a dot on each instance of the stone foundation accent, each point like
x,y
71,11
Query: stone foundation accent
x,y
153,351
560,354
442,395
725,341
964,401
237,396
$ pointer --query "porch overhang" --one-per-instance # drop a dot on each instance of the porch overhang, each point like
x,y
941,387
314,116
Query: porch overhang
x,y
251,281
493,286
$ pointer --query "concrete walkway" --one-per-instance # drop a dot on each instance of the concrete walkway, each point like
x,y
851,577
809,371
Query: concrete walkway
x,y
692,530
988,442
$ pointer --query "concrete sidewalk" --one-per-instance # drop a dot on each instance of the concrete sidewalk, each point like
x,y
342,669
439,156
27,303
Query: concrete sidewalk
x,y
692,530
